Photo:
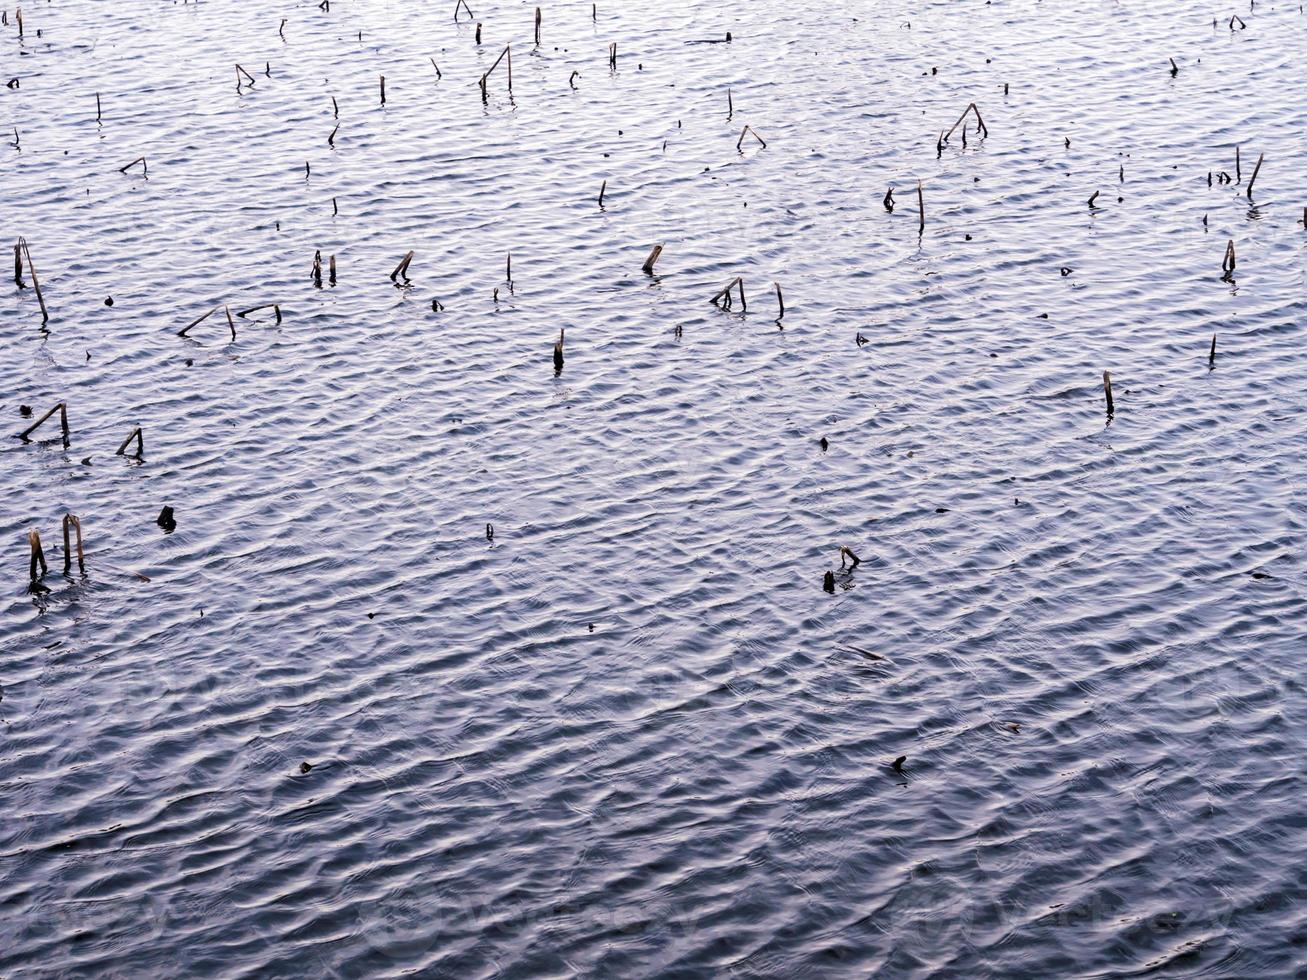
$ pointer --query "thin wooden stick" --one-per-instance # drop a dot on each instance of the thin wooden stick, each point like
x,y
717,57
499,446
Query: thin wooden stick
x,y
1230,261
196,322
537,27
921,210
330,278
266,306
1211,356
230,322
984,130
1256,170
140,443
502,54
241,71
558,353
739,144
612,56
61,408
36,283
780,301
402,268
38,555
889,200
18,266
463,5
601,193
848,552
317,268
71,521
141,160
1107,393
437,68
652,260
1238,172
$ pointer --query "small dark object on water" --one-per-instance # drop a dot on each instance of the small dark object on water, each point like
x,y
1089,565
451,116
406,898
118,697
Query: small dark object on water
x,y
823,443
490,532
1107,394
1092,198
828,582
889,200
847,552
166,520
1175,69
941,510
1013,726
678,331
897,764
437,306
25,411
860,340
1066,271
86,461
108,301
558,353
306,767
1261,575
592,627
1211,357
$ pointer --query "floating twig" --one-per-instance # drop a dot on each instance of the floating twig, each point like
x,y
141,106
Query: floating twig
x,y
266,306
652,260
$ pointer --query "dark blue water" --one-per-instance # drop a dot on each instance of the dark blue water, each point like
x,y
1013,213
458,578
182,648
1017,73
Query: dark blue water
x,y
632,735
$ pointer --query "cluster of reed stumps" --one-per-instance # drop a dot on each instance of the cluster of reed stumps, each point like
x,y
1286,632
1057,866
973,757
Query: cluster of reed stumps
x,y
724,299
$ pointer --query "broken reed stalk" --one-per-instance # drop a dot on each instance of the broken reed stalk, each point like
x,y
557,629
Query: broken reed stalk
x,y
383,89
18,266
1230,260
230,322
846,552
62,409
266,306
462,4
436,67
723,297
36,282
239,72
601,193
652,260
1175,69
921,210
196,322
780,301
331,277
1256,170
317,268
507,52
38,555
72,522
402,268
1238,171
537,27
889,200
140,445
1107,393
145,168
558,352
1092,198
97,107
612,56
1211,355
971,107
739,144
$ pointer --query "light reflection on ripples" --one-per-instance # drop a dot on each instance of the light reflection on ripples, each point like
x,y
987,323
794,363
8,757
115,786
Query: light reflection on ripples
x,y
632,735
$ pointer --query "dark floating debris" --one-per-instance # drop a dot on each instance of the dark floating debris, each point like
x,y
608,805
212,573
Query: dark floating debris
x,y
490,532
140,444
652,260
62,409
823,443
73,523
308,767
828,582
722,299
847,552
558,353
897,764
166,520
1107,395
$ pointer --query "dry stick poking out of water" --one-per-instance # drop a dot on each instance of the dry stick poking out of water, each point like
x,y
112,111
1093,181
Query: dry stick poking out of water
x,y
507,52
780,301
266,306
572,81
537,27
140,446
331,277
848,552
331,140
652,260
980,123
558,353
1175,69
73,522
889,200
601,194
402,268
1092,198
196,322
230,322
97,107
739,144
383,89
36,283
462,5
239,72
478,37
62,409
1256,170
317,269
436,67
1242,25
145,169
38,555
730,106
1107,393
1211,356
612,56
723,298
1229,262
18,265
921,210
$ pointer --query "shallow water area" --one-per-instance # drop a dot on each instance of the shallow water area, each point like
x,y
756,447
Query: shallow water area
x,y
629,733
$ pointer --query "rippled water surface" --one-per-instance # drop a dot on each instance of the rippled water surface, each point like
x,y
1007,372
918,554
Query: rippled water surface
x,y
632,734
